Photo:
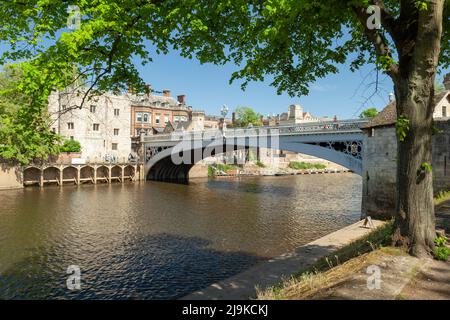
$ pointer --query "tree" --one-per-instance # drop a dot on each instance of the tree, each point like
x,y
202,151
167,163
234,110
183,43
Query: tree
x,y
246,116
24,133
294,41
369,113
71,146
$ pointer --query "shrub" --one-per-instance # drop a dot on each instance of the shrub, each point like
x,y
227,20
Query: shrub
x,y
260,164
304,165
441,241
70,146
442,253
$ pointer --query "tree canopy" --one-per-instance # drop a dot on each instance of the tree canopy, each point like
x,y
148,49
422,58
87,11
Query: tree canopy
x,y
369,113
246,116
292,42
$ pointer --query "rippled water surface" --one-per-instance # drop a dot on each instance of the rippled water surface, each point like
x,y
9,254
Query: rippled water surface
x,y
157,240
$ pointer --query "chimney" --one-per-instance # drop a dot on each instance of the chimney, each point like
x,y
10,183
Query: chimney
x,y
181,99
233,119
166,93
447,81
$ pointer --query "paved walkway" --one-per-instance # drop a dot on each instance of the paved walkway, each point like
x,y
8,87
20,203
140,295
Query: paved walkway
x,y
272,272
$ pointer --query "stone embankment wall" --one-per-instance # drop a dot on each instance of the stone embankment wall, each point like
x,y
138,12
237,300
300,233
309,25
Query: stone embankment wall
x,y
10,177
380,168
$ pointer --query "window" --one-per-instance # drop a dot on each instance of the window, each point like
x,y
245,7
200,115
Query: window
x,y
116,112
139,117
138,132
146,117
444,111
116,132
114,146
54,130
157,119
96,126
93,108
166,118
70,125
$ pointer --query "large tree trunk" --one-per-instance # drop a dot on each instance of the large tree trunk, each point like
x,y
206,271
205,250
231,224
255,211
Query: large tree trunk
x,y
414,86
415,221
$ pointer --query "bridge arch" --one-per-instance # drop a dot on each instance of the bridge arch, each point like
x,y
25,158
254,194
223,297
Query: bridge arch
x,y
161,167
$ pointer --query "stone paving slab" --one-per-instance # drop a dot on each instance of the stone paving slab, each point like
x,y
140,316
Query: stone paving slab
x,y
272,272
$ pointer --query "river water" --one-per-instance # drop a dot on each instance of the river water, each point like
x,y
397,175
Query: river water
x,y
161,241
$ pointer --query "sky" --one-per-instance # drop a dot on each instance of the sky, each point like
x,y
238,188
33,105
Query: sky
x,y
207,88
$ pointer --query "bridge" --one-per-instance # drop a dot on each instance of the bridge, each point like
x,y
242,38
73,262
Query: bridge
x,y
169,157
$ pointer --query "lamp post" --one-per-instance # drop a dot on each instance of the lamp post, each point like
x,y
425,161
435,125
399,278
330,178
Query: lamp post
x,y
224,111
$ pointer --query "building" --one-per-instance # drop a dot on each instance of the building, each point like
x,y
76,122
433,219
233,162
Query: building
x,y
102,125
295,115
150,113
380,156
110,126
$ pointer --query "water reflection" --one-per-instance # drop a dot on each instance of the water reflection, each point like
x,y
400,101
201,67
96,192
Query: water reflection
x,y
160,241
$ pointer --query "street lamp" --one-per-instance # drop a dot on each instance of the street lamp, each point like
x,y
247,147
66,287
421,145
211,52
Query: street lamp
x,y
224,112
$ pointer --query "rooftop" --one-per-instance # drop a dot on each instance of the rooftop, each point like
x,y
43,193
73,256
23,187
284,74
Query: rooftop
x,y
388,116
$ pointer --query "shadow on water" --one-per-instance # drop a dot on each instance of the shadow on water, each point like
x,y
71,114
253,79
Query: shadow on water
x,y
159,266
249,185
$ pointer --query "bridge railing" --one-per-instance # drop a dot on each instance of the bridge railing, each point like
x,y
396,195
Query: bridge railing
x,y
311,127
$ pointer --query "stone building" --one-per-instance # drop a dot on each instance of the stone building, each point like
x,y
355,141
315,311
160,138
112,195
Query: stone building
x,y
380,158
295,115
102,125
109,126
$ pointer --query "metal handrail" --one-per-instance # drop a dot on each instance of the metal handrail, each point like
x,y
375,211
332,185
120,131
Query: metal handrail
x,y
316,127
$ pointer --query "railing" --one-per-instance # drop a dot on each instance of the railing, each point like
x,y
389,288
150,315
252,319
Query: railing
x,y
312,127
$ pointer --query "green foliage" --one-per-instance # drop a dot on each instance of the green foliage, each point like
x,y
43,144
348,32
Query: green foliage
x,y
211,171
436,131
369,113
260,164
402,128
421,5
246,116
225,167
304,165
24,122
71,146
425,166
441,251
440,241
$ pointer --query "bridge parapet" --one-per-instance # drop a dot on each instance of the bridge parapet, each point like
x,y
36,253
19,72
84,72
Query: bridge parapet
x,y
342,126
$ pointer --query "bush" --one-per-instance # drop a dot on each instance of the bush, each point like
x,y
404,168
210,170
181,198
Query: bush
x,y
70,146
304,165
441,251
260,164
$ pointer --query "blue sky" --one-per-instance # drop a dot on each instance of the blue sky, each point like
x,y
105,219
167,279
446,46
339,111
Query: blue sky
x,y
206,86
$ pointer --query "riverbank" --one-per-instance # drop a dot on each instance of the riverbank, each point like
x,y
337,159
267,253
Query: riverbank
x,y
401,276
268,274
252,169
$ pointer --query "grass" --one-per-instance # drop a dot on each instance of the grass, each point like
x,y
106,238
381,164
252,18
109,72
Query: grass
x,y
441,197
304,165
260,164
220,167
334,268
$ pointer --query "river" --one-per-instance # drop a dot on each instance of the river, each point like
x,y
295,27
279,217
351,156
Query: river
x,y
161,241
